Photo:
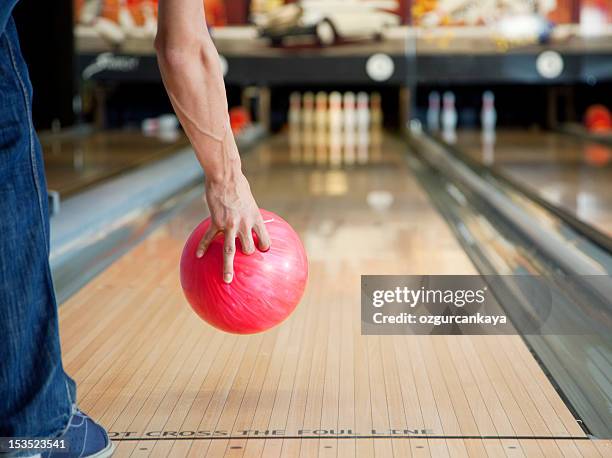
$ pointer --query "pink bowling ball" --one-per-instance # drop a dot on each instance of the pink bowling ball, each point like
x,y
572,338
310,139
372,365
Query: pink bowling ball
x,y
266,288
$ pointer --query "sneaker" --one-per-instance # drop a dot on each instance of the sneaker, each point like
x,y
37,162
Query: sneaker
x,y
84,438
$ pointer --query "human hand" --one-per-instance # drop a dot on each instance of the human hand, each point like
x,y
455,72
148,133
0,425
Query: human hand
x,y
234,212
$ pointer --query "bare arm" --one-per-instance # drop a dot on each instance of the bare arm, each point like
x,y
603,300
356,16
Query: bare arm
x,y
191,72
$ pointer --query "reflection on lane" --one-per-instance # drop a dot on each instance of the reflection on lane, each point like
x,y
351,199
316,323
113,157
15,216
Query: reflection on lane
x,y
76,160
566,171
366,210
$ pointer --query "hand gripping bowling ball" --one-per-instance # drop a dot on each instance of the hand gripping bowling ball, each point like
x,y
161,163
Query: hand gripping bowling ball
x,y
266,287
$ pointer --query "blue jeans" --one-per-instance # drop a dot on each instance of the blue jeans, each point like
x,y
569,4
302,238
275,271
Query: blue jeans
x,y
36,396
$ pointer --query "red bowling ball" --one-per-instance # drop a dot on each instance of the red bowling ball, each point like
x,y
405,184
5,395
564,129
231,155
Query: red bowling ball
x,y
266,288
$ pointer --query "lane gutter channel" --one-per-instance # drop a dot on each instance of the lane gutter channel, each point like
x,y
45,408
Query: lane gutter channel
x,y
446,190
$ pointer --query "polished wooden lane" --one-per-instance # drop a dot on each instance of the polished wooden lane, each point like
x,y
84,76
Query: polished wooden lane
x,y
571,173
74,161
166,384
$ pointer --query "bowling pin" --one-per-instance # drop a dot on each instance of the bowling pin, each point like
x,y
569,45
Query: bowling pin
x,y
363,111
295,128
308,127
376,113
376,125
488,115
363,127
335,128
488,120
321,120
335,112
321,113
308,111
433,112
295,109
350,124
349,111
449,117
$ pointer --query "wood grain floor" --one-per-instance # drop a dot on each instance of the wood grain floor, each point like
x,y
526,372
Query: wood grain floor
x,y
166,384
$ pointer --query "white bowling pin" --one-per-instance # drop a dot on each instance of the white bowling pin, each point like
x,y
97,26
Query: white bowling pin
x,y
335,112
449,117
350,127
308,111
335,128
363,127
488,115
308,115
363,111
295,109
349,111
321,113
321,121
449,112
295,128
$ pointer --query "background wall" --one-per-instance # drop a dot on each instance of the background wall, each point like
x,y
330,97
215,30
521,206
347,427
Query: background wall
x,y
45,31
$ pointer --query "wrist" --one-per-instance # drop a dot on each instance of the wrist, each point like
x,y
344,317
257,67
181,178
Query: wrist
x,y
228,173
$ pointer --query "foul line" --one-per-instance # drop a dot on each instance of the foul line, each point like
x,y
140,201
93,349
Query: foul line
x,y
573,438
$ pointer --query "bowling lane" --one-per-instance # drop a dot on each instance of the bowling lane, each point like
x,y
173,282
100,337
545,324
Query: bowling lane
x,y
166,384
76,160
571,173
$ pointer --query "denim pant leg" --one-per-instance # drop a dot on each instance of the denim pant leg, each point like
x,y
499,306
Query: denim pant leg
x,y
36,396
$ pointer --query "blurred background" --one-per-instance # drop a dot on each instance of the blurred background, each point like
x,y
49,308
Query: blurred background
x,y
528,67
92,62
104,68
497,79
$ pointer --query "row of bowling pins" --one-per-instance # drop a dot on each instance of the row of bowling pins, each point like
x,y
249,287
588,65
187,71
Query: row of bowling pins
x,y
447,115
335,129
335,111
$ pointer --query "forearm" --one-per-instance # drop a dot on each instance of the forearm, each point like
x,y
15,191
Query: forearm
x,y
192,75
